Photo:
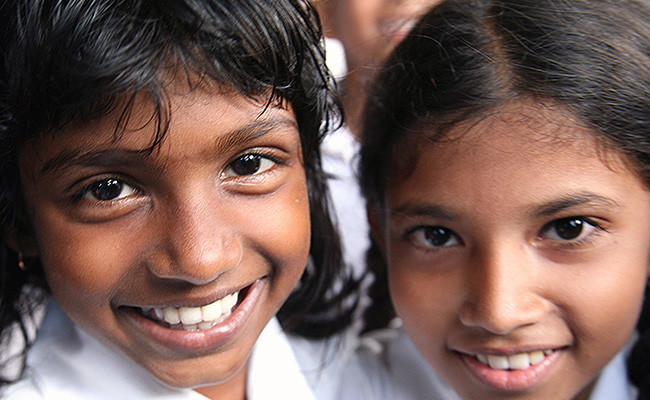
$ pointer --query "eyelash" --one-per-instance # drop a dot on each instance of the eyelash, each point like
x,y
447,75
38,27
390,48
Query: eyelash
x,y
79,195
410,236
259,156
573,243
424,242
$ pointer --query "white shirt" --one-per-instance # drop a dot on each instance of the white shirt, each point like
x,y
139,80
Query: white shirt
x,y
67,363
340,151
388,366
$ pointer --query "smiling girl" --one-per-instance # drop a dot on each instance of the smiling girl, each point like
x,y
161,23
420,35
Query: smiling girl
x,y
505,160
160,181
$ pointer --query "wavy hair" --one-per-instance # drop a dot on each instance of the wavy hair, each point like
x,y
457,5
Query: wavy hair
x,y
467,57
73,61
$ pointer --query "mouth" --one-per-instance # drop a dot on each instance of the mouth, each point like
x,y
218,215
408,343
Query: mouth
x,y
513,372
188,328
518,361
194,319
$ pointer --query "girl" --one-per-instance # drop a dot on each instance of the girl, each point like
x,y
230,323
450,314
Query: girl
x,y
506,161
160,181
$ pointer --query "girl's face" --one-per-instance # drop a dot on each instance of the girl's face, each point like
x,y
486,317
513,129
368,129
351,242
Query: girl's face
x,y
518,255
178,258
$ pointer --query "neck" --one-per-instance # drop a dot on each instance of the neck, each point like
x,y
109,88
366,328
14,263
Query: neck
x,y
586,392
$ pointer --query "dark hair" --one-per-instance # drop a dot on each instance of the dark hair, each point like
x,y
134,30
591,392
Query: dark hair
x,y
467,57
66,61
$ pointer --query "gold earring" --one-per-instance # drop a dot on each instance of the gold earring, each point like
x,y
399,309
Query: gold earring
x,y
21,262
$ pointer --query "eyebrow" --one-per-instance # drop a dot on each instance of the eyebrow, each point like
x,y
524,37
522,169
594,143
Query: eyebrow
x,y
112,156
572,200
412,209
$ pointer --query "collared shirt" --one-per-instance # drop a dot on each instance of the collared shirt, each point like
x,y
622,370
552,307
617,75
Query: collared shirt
x,y
69,364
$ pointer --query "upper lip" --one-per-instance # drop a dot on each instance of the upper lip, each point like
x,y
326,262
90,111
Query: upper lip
x,y
505,351
189,302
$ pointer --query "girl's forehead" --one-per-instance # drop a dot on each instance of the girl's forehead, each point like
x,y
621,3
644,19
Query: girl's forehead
x,y
525,121
510,164
512,133
195,123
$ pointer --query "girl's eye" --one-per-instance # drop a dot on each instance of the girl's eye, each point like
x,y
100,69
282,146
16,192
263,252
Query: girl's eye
x,y
572,229
434,236
249,164
107,190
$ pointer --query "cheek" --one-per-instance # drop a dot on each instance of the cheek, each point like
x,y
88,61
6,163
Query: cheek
x,y
80,258
424,299
608,300
282,228
616,283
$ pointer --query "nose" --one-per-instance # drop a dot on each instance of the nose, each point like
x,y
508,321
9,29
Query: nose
x,y
198,242
504,289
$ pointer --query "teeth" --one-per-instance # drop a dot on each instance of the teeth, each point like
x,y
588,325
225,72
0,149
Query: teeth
x,y
194,318
190,315
498,362
191,327
170,315
519,361
206,325
515,361
537,357
211,312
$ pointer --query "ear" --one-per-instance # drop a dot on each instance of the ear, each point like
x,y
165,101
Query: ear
x,y
20,241
377,227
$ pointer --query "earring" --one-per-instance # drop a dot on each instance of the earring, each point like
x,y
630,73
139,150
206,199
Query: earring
x,y
21,262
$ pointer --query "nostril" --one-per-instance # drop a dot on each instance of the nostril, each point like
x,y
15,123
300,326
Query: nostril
x,y
502,315
196,264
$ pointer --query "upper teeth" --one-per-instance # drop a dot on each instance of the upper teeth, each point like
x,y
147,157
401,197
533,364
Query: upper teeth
x,y
515,361
195,318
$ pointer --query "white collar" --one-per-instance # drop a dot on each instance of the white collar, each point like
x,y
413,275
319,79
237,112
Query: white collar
x,y
67,363
613,382
273,371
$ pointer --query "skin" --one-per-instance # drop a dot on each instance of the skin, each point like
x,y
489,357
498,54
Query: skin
x,y
483,260
368,30
186,228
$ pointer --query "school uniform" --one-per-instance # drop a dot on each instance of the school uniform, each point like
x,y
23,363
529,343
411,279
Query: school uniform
x,y
388,366
67,363
340,152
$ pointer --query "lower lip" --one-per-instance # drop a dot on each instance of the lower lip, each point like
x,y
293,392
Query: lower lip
x,y
510,381
196,341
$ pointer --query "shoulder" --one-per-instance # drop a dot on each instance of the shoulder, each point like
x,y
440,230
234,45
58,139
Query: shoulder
x,y
25,389
386,365
322,362
67,363
295,368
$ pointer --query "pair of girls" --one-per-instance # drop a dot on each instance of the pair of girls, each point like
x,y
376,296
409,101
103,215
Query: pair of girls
x,y
160,181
